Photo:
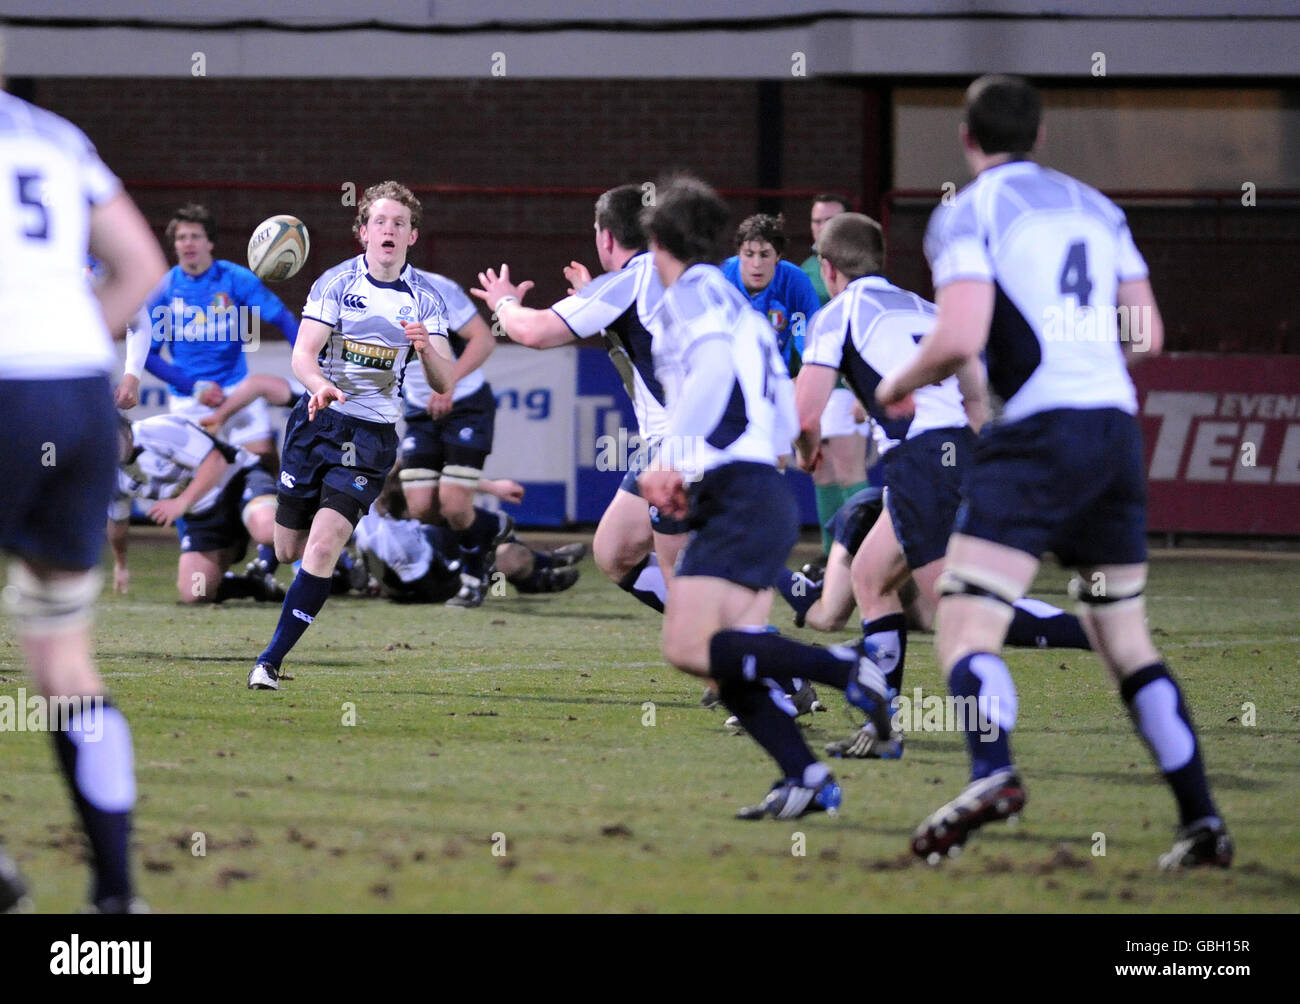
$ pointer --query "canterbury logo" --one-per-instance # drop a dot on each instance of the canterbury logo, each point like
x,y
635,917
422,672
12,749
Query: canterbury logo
x,y
287,479
302,616
353,302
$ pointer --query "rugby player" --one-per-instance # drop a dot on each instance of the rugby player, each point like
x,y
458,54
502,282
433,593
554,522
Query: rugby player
x,y
56,408
730,415
636,545
365,321
1062,469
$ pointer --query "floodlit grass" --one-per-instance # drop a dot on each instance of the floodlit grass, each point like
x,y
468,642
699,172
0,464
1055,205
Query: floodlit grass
x,y
520,728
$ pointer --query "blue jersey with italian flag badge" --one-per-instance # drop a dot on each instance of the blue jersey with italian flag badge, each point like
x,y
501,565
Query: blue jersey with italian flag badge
x,y
788,302
198,318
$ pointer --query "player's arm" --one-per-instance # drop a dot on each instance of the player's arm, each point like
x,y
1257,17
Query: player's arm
x,y
206,477
960,331
812,389
305,363
274,389
139,338
538,329
974,392
503,488
133,261
1146,329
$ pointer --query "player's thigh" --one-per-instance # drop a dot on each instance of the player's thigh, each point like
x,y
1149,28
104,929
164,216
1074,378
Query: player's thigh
x,y
623,536
258,516
668,546
330,531
980,582
456,500
198,574
847,458
698,608
1112,609
879,565
290,543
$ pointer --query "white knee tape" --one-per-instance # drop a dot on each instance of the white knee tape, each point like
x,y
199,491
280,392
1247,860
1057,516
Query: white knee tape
x,y
50,606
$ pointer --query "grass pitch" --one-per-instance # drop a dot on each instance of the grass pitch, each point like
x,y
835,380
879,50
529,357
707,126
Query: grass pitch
x,y
503,759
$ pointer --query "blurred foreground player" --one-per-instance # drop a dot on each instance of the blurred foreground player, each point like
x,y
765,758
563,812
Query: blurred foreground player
x,y
1062,470
61,458
730,415
365,321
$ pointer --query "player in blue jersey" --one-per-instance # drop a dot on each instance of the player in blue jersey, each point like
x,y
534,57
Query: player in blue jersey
x,y
1020,248
448,440
776,288
207,313
730,416
366,320
635,545
56,409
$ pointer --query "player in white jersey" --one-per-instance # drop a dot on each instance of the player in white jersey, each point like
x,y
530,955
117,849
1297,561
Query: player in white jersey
x,y
366,320
56,407
731,414
1043,269
869,328
225,497
636,545
448,439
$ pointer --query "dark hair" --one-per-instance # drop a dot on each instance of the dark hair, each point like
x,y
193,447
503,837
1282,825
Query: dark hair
x,y
853,243
1003,114
192,212
688,220
762,228
387,190
619,212
829,197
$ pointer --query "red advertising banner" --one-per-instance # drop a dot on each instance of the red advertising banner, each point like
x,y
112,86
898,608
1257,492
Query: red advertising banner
x,y
1222,439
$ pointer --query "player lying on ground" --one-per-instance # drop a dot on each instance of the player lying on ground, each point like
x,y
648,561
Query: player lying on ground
x,y
365,320
56,408
224,494
1062,470
730,415
635,544
411,561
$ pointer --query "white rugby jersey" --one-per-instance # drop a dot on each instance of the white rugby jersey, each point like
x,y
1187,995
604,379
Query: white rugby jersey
x,y
460,311
871,329
758,421
1051,245
626,303
168,451
51,326
367,354
399,543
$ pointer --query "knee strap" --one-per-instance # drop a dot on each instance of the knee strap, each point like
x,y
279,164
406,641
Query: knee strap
x,y
50,606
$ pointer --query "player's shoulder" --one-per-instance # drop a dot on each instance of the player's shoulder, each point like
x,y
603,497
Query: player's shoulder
x,y
234,273
340,275
439,283
1085,195
702,288
159,431
19,117
424,288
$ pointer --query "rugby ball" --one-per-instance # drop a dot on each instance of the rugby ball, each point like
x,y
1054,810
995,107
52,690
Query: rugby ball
x,y
278,248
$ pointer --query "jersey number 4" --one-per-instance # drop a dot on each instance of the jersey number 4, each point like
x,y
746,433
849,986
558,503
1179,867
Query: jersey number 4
x,y
29,195
1074,275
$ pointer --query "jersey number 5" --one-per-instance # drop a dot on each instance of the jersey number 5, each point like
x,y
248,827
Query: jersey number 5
x,y
1074,276
38,217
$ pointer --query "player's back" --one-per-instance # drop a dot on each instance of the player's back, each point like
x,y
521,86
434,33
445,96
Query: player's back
x,y
758,422
871,329
1056,250
50,323
460,311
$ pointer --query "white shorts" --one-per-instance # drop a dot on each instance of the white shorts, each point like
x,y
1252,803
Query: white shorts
x,y
837,418
251,422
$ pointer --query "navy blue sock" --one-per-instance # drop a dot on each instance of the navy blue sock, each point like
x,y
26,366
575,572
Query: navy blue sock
x,y
476,541
797,590
888,637
301,605
1155,703
988,711
542,560
646,583
746,655
1035,624
768,716
266,554
95,754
